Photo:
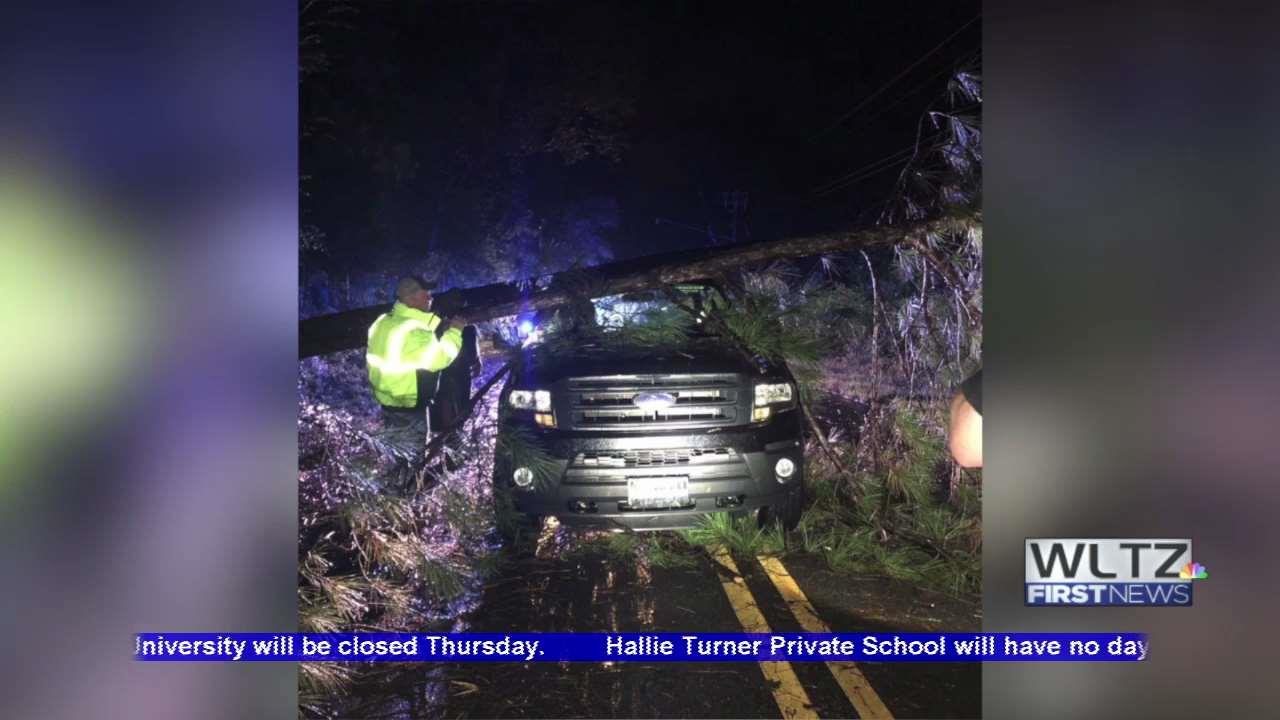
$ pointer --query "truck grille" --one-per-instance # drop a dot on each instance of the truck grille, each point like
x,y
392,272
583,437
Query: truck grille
x,y
654,458
615,466
700,401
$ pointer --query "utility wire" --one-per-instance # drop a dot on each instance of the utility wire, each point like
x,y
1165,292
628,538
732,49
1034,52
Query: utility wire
x,y
875,167
834,183
896,78
881,110
864,176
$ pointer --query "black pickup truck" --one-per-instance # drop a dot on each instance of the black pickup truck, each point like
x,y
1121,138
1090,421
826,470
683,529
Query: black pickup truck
x,y
653,438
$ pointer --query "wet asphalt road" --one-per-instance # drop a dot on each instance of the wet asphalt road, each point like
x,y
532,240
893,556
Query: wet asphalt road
x,y
568,586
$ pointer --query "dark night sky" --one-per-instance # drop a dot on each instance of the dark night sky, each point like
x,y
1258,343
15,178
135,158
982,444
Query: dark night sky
x,y
420,125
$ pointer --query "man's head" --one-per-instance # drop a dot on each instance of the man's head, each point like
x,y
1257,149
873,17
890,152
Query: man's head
x,y
415,292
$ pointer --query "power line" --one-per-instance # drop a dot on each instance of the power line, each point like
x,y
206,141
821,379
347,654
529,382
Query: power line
x,y
863,176
881,110
835,183
896,78
875,167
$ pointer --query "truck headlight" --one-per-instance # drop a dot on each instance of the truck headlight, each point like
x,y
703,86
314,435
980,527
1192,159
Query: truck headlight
x,y
539,400
773,393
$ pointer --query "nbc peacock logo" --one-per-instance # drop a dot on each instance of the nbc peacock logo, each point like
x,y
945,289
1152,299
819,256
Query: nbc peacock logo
x,y
1193,571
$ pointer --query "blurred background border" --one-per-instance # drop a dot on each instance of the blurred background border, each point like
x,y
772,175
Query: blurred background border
x,y
148,271
1131,347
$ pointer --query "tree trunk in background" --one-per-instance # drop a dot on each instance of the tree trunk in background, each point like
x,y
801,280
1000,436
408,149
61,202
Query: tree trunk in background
x,y
347,330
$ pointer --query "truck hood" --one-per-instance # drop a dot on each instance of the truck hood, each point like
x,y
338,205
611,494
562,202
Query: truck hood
x,y
700,355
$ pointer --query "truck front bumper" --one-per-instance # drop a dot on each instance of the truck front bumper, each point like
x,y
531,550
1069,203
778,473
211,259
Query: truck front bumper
x,y
730,470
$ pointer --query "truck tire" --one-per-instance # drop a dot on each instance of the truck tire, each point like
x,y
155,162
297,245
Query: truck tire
x,y
786,512
514,526
519,530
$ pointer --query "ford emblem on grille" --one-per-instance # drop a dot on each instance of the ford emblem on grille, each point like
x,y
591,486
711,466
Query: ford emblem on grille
x,y
653,400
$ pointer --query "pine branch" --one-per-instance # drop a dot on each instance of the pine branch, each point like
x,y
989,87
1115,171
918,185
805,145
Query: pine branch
x,y
718,324
835,459
437,443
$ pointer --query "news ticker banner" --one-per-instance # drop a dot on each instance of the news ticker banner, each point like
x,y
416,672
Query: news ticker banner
x,y
648,647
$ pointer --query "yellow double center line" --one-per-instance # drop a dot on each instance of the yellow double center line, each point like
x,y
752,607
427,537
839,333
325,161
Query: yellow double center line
x,y
851,680
792,700
790,695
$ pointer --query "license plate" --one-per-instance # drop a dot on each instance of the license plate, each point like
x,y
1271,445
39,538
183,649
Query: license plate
x,y
658,492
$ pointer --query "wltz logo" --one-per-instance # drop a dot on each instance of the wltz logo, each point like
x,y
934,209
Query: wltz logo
x,y
1110,571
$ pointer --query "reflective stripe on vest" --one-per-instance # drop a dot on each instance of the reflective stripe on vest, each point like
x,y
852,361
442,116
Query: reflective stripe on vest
x,y
394,362
374,326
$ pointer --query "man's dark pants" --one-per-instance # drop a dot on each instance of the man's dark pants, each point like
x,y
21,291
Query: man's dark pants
x,y
409,426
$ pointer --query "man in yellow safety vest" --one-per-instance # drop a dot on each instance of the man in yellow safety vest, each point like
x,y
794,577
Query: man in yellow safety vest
x,y
408,348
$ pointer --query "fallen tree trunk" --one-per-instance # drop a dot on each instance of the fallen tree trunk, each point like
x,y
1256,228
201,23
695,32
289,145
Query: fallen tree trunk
x,y
346,330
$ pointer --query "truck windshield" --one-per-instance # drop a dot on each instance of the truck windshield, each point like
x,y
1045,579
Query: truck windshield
x,y
653,307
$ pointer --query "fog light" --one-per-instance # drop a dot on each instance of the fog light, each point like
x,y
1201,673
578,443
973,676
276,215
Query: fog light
x,y
784,469
523,477
545,420
760,414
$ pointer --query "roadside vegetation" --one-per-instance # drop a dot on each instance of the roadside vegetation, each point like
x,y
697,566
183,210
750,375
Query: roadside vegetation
x,y
915,522
911,523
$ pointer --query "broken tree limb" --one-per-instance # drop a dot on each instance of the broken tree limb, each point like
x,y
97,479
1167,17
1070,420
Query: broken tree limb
x,y
831,453
437,443
948,276
346,330
725,331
